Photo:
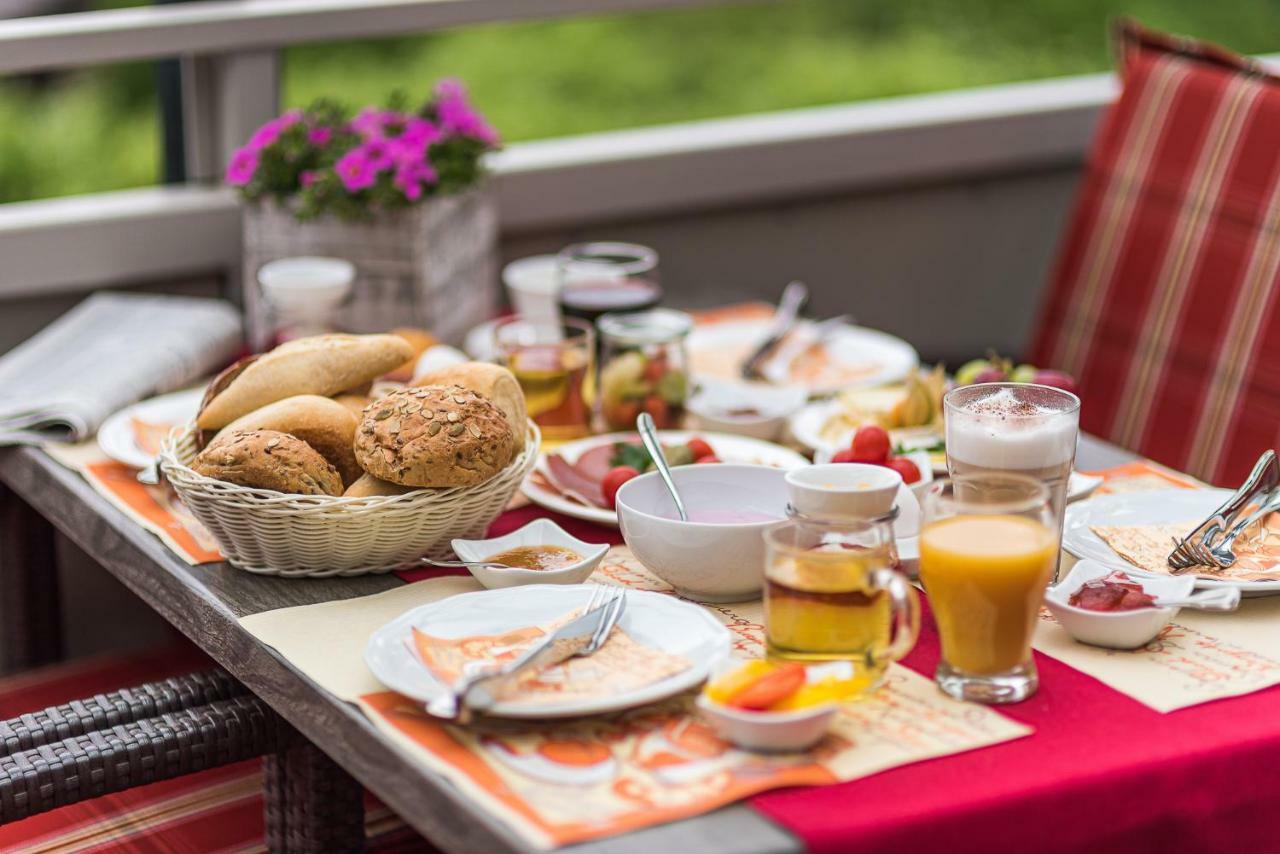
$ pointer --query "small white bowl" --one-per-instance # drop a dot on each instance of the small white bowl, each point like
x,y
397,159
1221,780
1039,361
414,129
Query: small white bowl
x,y
769,732
540,532
712,401
843,489
823,456
704,561
1114,629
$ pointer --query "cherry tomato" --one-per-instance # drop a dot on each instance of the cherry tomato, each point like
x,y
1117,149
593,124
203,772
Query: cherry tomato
x,y
699,448
655,368
910,471
870,444
613,482
708,458
770,688
844,455
661,412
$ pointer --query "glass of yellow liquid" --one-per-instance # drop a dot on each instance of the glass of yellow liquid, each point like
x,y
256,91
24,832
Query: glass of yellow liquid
x,y
988,548
832,594
555,366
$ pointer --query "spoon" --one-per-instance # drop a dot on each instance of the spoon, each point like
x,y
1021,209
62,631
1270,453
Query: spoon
x,y
468,564
649,436
1217,599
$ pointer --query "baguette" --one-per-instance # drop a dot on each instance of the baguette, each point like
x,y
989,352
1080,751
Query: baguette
x,y
324,424
494,382
323,365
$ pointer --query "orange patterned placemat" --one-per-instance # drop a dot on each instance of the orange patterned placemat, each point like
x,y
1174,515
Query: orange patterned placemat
x,y
560,782
155,508
1142,475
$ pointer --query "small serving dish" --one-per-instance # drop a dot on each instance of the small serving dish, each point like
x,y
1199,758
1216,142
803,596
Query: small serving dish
x,y
770,731
1114,629
921,459
756,410
540,532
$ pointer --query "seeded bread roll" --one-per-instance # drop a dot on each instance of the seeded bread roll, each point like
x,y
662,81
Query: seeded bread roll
x,y
368,486
323,365
434,436
326,425
268,459
492,381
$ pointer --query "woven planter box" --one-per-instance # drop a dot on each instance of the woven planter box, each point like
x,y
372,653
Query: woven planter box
x,y
433,265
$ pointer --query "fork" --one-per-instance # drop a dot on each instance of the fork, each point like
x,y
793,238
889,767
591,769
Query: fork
x,y
1222,552
1193,549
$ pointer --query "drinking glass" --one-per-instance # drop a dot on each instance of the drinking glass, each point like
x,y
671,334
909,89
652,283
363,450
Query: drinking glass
x,y
555,366
988,547
831,593
607,276
1018,428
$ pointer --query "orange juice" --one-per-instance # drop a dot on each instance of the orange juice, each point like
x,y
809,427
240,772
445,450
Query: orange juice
x,y
985,577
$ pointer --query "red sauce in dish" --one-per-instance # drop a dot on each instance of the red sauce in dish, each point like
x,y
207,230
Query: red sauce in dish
x,y
1115,592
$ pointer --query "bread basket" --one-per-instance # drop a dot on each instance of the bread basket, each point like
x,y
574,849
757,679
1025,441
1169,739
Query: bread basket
x,y
319,536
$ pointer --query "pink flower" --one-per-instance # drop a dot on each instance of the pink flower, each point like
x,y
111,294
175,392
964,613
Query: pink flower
x,y
292,117
319,136
419,132
355,171
372,122
411,177
308,177
266,134
378,152
457,116
243,163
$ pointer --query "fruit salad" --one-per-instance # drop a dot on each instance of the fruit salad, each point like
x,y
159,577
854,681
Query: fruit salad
x,y
636,381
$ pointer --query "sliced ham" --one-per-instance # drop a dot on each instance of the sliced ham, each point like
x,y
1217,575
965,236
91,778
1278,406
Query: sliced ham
x,y
595,463
570,480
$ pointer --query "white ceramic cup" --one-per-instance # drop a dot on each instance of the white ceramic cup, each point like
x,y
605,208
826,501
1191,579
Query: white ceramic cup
x,y
305,290
851,490
533,286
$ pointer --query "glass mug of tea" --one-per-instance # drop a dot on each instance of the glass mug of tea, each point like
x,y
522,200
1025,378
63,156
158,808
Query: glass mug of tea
x,y
832,593
555,366
988,547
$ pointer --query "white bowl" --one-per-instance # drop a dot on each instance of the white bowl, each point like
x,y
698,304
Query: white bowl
x,y
712,400
823,456
1113,629
769,732
540,532
708,561
854,490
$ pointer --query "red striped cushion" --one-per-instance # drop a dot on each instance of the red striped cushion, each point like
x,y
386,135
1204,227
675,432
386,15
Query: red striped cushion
x,y
214,811
1164,299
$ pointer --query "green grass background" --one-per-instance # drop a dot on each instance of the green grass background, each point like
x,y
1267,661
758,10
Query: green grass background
x,y
97,129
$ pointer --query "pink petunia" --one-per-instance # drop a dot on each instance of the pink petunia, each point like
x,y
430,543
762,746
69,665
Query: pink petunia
x,y
378,152
355,171
308,177
457,116
419,132
266,134
243,163
410,178
292,117
319,136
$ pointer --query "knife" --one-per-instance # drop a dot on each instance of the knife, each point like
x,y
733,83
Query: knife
x,y
794,296
478,691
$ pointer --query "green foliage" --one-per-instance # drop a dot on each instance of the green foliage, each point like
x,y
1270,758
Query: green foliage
x,y
97,129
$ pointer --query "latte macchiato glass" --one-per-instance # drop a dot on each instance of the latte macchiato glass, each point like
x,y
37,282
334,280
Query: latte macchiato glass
x,y
1018,428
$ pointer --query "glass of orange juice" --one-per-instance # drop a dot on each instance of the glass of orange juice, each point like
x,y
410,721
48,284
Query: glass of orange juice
x,y
988,548
832,593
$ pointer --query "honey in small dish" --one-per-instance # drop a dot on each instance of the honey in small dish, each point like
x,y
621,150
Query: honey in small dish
x,y
536,557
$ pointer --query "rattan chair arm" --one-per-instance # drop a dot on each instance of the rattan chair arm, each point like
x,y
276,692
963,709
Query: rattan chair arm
x,y
118,707
136,753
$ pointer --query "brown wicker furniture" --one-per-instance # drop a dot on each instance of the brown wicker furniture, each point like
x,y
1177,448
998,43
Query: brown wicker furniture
x,y
204,602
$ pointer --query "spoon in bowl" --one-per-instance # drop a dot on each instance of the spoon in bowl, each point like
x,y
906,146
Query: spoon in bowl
x,y
649,436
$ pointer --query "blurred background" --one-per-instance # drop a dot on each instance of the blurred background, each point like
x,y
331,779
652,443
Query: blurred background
x,y
99,129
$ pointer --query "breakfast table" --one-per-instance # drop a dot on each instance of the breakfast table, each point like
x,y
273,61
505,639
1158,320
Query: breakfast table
x,y
1100,770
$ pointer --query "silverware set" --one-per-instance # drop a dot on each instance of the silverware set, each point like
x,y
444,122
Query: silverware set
x,y
1211,543
583,635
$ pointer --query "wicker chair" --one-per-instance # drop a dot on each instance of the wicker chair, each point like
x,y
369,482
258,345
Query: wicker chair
x,y
161,730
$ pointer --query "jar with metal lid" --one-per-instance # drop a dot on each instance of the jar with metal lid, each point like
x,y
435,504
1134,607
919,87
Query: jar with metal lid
x,y
645,367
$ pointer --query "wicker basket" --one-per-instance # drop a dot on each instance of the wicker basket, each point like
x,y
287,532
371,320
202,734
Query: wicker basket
x,y
316,536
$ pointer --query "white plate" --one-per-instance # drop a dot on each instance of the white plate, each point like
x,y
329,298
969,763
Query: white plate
x,y
116,436
806,426
730,449
1155,507
656,620
730,343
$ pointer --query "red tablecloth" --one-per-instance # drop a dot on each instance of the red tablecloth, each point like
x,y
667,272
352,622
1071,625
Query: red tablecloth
x,y
1101,773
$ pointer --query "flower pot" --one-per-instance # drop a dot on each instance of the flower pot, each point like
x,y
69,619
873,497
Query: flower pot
x,y
433,265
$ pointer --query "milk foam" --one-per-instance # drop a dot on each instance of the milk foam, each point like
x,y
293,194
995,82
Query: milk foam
x,y
1001,432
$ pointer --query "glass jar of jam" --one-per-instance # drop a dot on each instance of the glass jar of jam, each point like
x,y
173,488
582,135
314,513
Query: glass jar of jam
x,y
645,367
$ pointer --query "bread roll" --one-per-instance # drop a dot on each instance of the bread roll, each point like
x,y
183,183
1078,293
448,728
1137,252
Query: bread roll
x,y
355,403
268,459
419,340
324,424
323,365
492,381
368,486
434,436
